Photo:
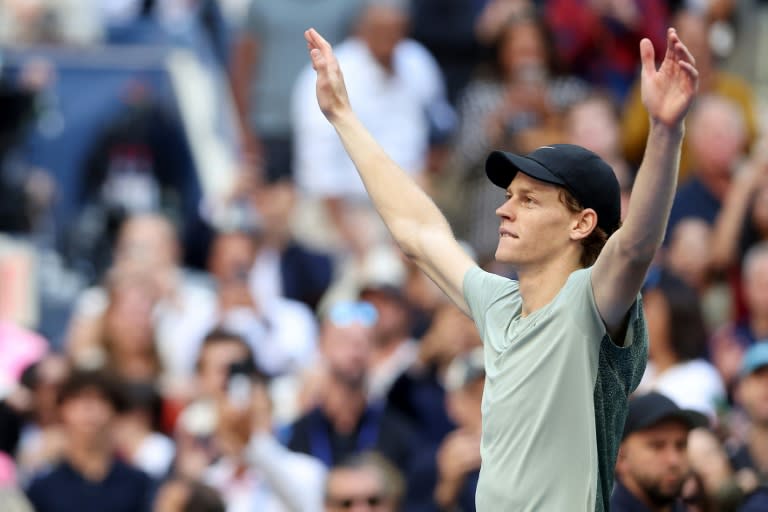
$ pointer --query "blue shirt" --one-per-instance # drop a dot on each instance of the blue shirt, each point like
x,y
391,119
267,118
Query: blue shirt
x,y
64,489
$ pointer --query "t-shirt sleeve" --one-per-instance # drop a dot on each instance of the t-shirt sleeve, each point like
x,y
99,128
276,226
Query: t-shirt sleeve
x,y
481,290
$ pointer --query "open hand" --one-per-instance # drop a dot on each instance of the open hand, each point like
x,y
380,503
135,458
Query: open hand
x,y
331,91
668,92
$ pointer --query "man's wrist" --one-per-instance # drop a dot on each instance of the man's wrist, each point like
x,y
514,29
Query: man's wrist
x,y
674,131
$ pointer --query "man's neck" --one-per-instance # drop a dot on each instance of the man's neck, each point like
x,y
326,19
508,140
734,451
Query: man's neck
x,y
540,285
344,406
92,461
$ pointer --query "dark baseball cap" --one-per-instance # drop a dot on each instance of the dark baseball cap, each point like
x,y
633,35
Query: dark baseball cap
x,y
580,171
646,411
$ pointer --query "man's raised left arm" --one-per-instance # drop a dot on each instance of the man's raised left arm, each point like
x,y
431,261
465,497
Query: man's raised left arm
x,y
620,270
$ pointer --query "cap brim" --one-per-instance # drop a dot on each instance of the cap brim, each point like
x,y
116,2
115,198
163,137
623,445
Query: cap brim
x,y
501,167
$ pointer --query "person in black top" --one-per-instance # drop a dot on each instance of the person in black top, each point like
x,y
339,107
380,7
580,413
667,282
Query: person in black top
x,y
345,421
652,464
90,478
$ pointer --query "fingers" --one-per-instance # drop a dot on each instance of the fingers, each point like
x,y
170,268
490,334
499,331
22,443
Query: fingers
x,y
647,56
683,54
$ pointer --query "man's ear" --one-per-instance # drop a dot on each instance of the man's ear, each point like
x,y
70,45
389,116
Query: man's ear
x,y
584,223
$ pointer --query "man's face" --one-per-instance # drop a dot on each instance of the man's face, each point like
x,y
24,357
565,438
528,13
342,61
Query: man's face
x,y
535,224
347,350
653,463
752,394
356,490
215,361
87,415
382,29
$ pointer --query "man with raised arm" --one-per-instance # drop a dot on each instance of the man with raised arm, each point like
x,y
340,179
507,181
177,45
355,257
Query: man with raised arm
x,y
566,343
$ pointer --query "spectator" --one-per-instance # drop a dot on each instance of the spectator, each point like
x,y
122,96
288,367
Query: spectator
x,y
593,123
689,257
743,220
42,439
692,28
677,347
419,394
393,81
599,40
266,60
364,481
148,244
285,266
254,471
394,349
49,21
137,431
750,455
183,495
281,332
345,421
728,344
458,458
90,474
652,465
218,351
717,139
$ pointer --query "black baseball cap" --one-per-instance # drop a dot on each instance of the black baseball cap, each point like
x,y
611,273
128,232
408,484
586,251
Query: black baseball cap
x,y
580,171
648,410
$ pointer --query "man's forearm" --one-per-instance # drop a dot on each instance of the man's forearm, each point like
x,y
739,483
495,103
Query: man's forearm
x,y
653,192
402,204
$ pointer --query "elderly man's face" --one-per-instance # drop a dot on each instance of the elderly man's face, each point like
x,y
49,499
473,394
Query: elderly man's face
x,y
356,490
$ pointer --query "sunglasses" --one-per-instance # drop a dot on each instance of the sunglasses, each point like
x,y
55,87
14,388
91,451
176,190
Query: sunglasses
x,y
372,501
344,314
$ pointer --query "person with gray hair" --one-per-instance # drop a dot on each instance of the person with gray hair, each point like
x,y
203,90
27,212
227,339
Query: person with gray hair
x,y
364,481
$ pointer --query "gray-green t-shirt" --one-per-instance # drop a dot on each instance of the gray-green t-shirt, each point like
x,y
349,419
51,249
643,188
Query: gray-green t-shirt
x,y
555,397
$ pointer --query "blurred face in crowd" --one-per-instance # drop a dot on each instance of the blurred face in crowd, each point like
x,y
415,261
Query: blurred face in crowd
x,y
214,362
689,249
752,394
522,52
232,256
347,349
356,490
50,374
87,416
275,204
756,284
147,242
717,136
694,30
653,464
382,28
657,317
593,125
392,323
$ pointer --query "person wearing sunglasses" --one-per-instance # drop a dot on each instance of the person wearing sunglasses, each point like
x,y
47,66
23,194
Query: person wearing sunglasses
x,y
364,482
565,342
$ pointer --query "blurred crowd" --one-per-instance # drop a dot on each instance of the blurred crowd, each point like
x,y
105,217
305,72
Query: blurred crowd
x,y
168,345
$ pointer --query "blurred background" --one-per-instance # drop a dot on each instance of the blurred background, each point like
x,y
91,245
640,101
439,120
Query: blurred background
x,y
199,309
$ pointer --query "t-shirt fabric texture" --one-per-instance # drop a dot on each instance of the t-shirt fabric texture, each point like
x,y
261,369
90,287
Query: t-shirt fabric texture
x,y
556,395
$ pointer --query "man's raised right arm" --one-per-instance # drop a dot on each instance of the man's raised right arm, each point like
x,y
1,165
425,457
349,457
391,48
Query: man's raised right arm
x,y
416,224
